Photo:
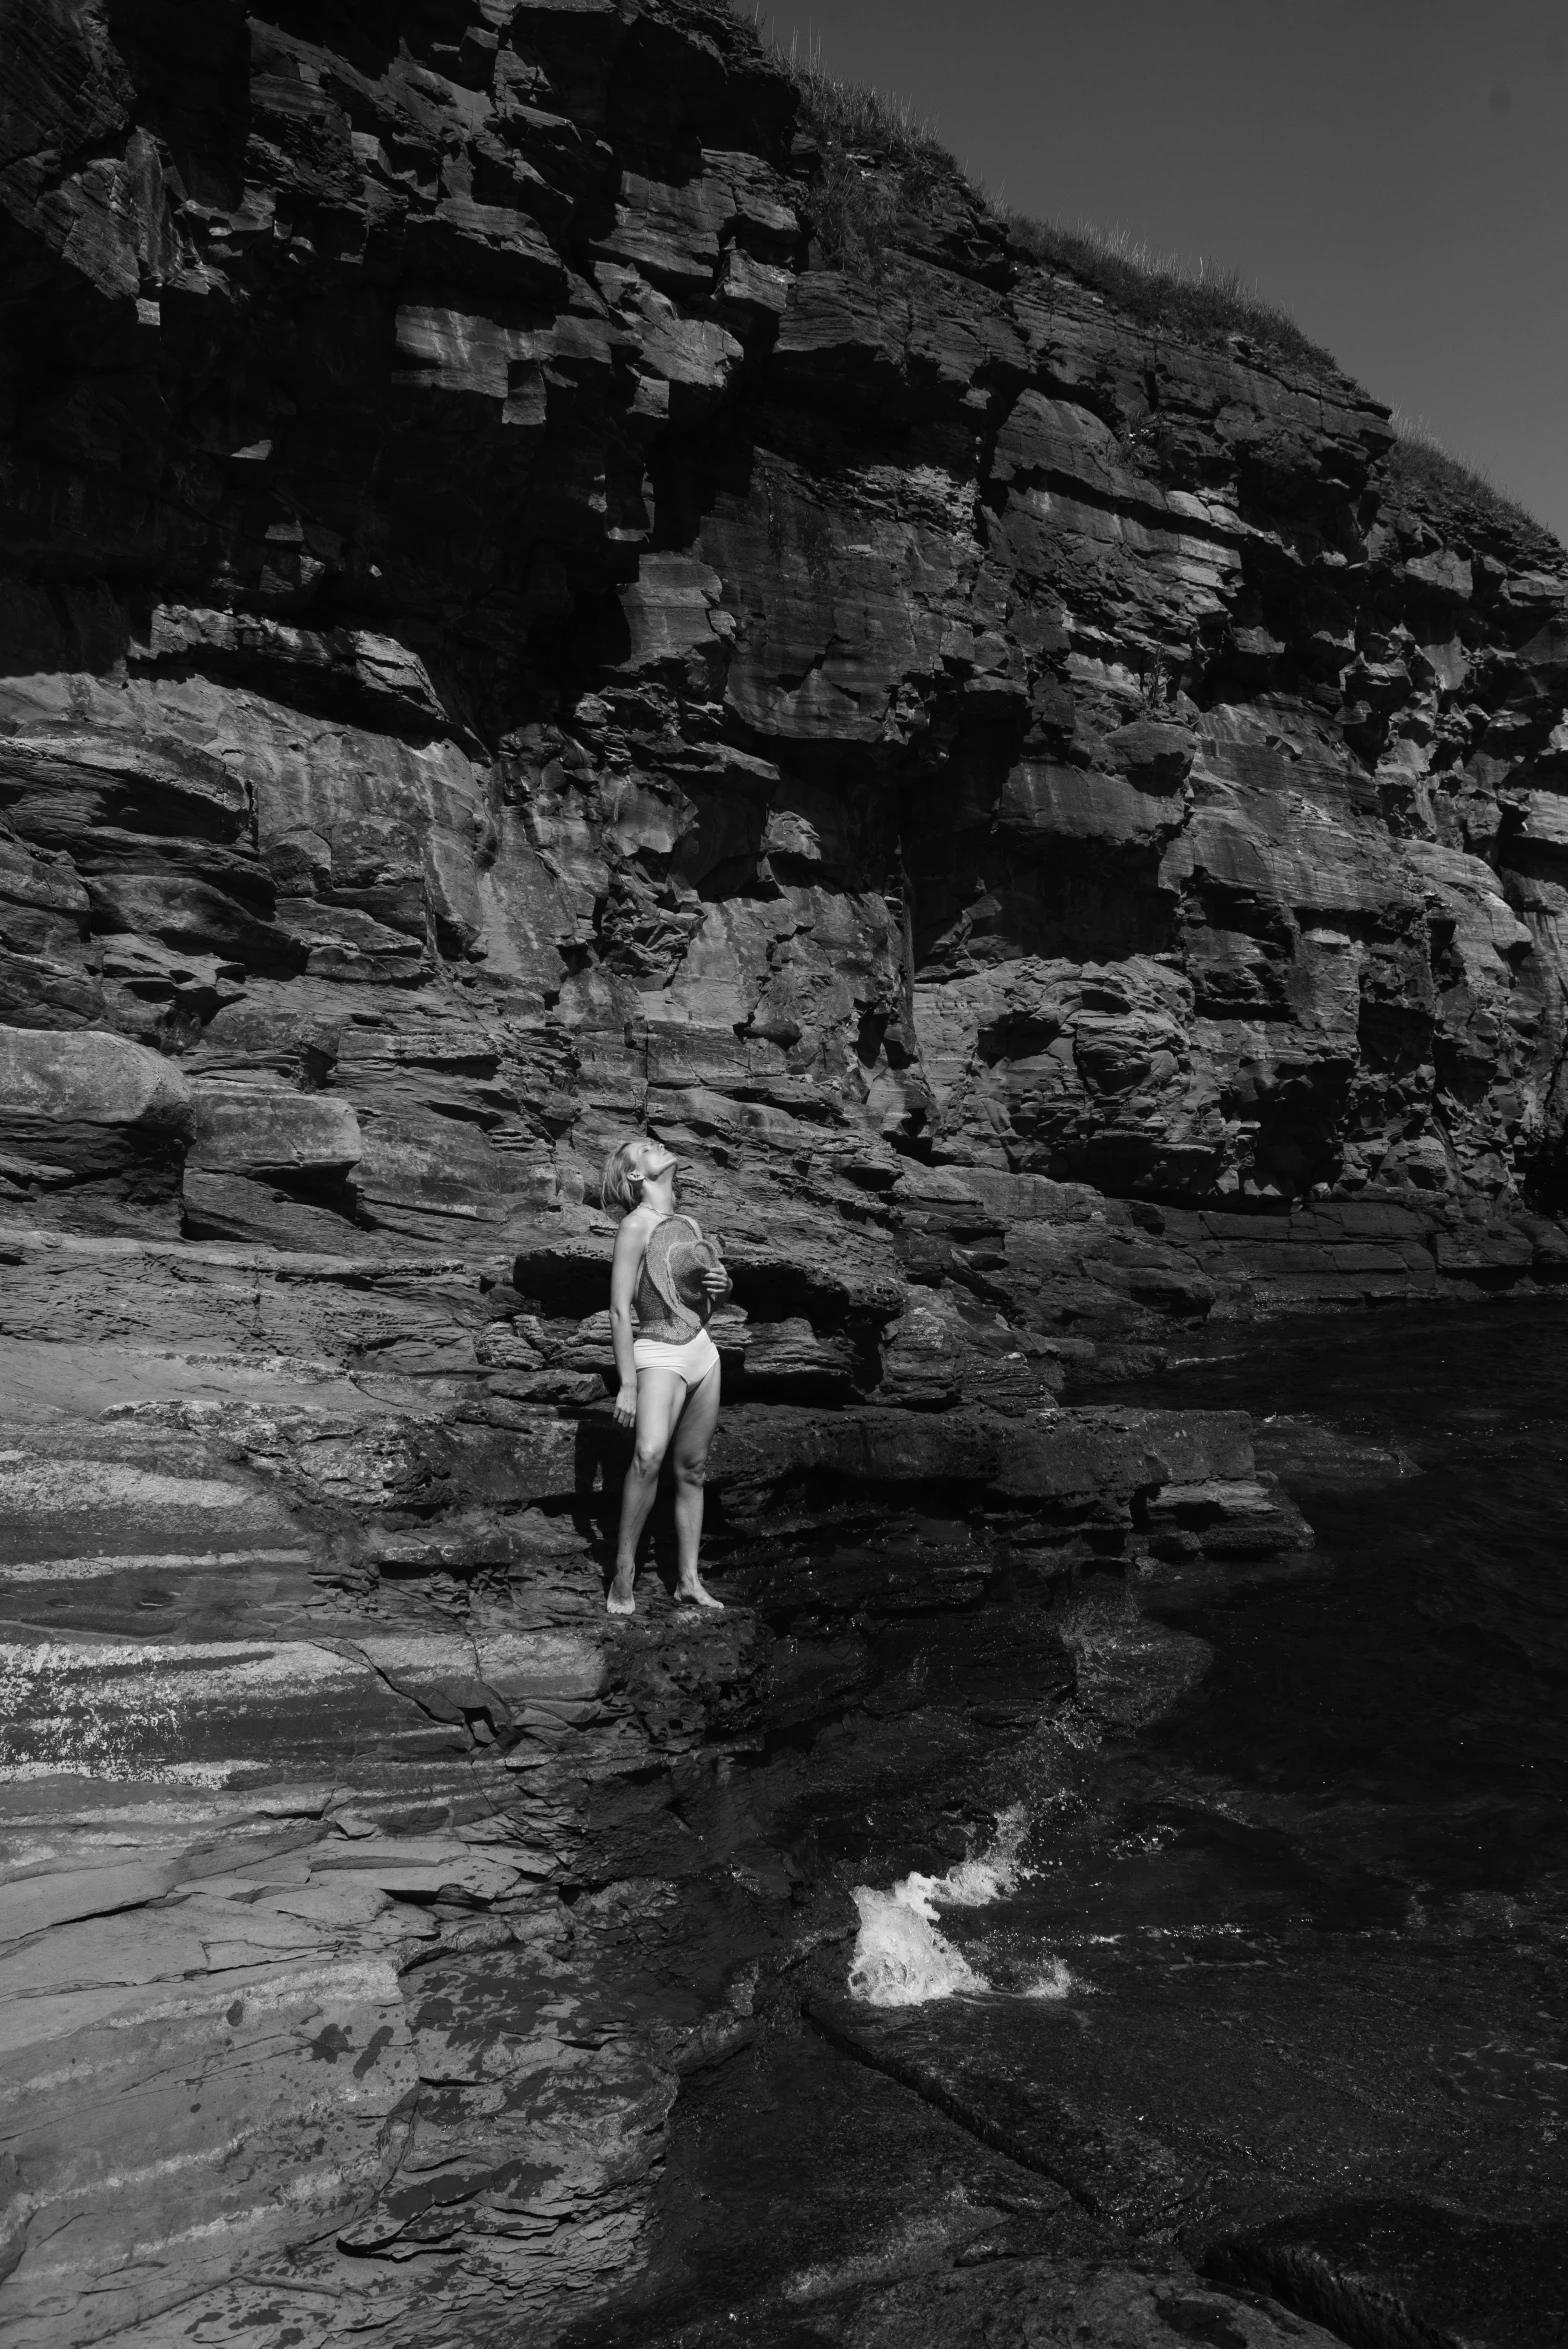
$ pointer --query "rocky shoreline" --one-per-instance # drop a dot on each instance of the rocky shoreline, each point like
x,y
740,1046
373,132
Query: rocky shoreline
x,y
330,1777
401,1900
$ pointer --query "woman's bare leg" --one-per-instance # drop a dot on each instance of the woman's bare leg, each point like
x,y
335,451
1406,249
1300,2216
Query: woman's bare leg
x,y
660,1394
693,1435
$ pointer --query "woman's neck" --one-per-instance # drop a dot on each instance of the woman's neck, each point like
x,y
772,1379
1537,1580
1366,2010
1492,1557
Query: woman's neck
x,y
658,1191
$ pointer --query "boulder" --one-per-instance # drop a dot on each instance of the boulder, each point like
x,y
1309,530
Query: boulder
x,y
88,1101
260,1129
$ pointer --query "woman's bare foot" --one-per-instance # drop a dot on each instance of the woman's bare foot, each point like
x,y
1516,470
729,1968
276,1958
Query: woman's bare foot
x,y
692,1594
620,1600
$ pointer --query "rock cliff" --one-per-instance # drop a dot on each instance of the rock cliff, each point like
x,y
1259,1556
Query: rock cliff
x,y
501,641
509,631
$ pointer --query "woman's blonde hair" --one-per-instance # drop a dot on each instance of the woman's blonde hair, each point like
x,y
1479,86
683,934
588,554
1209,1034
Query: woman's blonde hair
x,y
621,1183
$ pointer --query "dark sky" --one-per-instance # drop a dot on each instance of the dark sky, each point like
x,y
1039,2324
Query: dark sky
x,y
1393,172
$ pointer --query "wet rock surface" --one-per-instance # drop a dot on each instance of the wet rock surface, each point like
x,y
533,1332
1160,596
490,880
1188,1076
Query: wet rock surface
x,y
1276,2007
501,644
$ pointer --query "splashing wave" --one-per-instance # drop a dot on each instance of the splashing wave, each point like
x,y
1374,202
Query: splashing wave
x,y
902,1958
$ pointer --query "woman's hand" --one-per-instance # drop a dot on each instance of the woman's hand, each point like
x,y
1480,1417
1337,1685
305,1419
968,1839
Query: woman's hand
x,y
717,1282
626,1406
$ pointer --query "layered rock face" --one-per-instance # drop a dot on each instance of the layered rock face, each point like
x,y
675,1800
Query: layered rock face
x,y
501,645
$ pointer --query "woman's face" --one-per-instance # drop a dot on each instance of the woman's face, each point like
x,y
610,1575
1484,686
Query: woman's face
x,y
654,1160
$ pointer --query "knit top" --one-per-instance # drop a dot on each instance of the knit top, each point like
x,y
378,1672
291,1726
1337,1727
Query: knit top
x,y
672,1304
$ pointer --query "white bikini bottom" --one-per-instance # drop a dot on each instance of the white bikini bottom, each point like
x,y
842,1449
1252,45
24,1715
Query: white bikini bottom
x,y
692,1362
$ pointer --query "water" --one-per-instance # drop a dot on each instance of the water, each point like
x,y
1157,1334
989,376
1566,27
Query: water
x,y
1274,1980
901,1956
1380,1738
1399,1716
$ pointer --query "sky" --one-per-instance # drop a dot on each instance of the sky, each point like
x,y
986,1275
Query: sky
x,y
1394,173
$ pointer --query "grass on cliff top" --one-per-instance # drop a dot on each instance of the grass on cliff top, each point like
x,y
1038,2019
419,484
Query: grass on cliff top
x,y
1195,298
1458,498
880,160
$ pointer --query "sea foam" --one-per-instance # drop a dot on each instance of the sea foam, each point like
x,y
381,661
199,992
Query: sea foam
x,y
901,1957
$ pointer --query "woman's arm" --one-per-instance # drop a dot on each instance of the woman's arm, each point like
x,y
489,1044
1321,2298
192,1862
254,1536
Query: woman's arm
x,y
630,1244
716,1280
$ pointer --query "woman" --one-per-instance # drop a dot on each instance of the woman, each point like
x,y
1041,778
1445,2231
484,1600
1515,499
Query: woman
x,y
669,1368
